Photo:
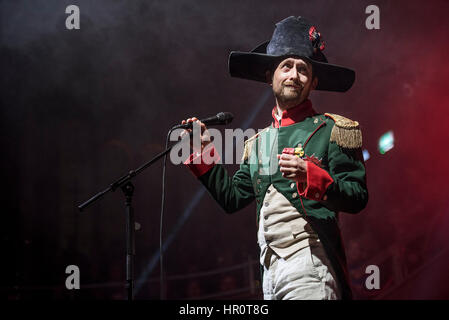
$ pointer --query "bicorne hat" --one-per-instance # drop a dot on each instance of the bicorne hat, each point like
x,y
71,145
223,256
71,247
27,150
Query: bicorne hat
x,y
292,37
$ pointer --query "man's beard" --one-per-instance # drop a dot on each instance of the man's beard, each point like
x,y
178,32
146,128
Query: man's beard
x,y
289,94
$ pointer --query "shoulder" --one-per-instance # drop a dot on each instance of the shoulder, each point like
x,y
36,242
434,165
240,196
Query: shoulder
x,y
346,132
341,121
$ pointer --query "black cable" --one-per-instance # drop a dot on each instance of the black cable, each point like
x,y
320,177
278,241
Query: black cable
x,y
161,279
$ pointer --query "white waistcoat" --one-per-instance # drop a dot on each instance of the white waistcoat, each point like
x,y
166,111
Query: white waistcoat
x,y
281,227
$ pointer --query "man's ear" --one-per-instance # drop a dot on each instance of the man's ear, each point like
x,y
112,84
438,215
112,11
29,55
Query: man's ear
x,y
268,77
314,82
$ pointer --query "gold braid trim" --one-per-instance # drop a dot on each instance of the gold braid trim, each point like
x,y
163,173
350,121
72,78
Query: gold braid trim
x,y
249,145
346,132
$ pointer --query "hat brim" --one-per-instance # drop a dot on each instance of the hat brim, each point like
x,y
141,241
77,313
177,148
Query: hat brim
x,y
253,66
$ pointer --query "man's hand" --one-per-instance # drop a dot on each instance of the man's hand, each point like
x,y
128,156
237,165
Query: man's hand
x,y
293,167
205,137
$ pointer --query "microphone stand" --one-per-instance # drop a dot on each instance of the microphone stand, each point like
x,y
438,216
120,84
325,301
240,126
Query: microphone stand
x,y
125,184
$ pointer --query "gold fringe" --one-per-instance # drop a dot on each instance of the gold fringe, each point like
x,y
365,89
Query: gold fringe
x,y
346,132
249,145
247,150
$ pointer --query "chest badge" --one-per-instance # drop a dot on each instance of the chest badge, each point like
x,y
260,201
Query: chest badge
x,y
299,151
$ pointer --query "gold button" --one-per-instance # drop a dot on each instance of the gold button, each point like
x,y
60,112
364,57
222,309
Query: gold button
x,y
294,195
315,121
292,185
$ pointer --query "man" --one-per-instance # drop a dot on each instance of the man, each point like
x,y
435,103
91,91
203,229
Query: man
x,y
302,170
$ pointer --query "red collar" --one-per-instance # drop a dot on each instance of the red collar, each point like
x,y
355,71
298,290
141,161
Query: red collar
x,y
294,115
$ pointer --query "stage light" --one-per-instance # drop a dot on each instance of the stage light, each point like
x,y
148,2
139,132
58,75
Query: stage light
x,y
365,155
386,142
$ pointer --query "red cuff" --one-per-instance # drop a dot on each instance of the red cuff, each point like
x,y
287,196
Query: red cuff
x,y
200,163
318,180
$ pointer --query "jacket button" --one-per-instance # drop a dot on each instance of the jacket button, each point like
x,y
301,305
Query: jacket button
x,y
294,195
266,204
292,185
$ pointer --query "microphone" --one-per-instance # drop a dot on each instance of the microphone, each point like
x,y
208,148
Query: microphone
x,y
220,119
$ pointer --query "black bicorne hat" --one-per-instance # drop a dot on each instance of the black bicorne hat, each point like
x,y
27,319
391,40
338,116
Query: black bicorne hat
x,y
293,36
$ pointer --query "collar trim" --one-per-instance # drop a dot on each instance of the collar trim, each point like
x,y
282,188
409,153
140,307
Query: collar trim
x,y
293,115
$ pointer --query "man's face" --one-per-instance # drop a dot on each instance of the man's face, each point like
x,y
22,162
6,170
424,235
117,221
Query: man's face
x,y
292,82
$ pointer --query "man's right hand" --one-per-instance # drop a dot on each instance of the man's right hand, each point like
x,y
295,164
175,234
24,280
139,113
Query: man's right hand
x,y
204,134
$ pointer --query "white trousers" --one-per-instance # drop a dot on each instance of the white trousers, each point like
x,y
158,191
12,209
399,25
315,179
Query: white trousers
x,y
305,275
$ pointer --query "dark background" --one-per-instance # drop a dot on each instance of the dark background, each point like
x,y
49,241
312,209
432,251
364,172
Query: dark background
x,y
82,107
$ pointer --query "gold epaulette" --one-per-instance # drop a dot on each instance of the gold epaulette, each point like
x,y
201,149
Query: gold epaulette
x,y
249,144
346,132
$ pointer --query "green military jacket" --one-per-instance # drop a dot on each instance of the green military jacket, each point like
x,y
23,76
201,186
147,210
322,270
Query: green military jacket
x,y
336,179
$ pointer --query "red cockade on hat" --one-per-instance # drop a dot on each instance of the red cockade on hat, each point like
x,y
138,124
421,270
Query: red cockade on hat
x,y
315,37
